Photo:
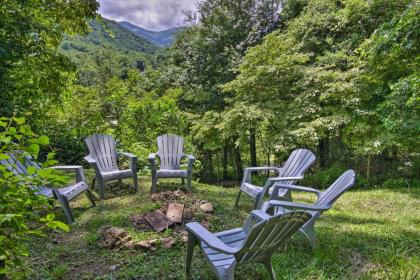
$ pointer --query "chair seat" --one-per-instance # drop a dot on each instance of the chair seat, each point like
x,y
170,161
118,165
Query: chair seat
x,y
72,191
116,174
44,191
170,173
253,190
221,261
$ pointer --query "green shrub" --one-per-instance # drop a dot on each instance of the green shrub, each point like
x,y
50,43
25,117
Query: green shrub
x,y
22,212
323,178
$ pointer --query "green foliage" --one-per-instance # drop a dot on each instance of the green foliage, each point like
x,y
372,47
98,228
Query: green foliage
x,y
32,72
21,209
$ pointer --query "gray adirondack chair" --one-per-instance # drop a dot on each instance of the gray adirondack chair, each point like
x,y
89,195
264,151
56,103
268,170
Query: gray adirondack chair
x,y
261,235
324,202
293,170
63,195
170,153
103,157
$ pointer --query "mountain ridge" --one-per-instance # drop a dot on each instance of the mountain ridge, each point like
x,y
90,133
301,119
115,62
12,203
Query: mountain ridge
x,y
162,38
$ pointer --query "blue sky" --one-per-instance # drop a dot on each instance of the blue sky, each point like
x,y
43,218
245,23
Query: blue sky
x,y
154,15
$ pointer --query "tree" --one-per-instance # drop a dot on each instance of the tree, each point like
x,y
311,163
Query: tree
x,y
32,71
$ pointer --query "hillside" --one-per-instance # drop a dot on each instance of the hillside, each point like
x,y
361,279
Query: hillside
x,y
109,34
108,50
161,38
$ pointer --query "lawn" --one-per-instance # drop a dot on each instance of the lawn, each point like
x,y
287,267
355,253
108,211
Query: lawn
x,y
369,234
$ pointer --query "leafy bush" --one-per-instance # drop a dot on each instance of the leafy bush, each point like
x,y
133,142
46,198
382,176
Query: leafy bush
x,y
21,210
323,178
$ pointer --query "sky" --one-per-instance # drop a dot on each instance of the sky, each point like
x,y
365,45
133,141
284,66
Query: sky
x,y
154,15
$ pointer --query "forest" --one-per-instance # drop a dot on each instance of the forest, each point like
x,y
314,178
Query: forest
x,y
245,82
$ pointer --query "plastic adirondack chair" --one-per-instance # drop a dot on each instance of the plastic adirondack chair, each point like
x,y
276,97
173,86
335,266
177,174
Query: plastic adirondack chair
x,y
324,202
103,157
293,170
63,195
261,235
170,152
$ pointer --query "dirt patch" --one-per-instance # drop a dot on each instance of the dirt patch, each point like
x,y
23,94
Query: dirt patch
x,y
360,265
193,210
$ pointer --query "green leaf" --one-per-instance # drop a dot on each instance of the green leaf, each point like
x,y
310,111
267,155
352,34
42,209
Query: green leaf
x,y
59,225
33,149
42,140
19,121
31,170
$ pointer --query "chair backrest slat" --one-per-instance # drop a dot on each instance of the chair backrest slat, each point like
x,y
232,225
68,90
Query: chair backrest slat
x,y
264,237
16,166
342,184
103,149
298,162
170,151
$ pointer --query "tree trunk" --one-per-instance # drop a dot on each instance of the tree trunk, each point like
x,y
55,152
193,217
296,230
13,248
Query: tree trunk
x,y
238,163
253,147
210,162
225,161
324,151
368,167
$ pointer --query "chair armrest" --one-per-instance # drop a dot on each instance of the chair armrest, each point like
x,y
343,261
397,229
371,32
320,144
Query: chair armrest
x,y
152,161
297,188
90,160
259,215
248,171
78,169
294,205
191,160
129,155
201,233
255,217
285,178
262,168
132,158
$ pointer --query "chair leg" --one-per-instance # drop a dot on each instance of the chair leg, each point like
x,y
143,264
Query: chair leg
x,y
190,251
269,266
188,183
136,182
154,183
90,196
238,197
93,183
101,187
67,210
308,231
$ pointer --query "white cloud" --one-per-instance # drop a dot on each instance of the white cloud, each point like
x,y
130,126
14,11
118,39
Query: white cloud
x,y
152,14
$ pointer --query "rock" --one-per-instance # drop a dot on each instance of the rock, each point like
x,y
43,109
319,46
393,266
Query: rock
x,y
111,237
188,214
178,193
129,244
113,267
174,212
184,236
145,245
205,224
206,207
155,197
157,220
167,242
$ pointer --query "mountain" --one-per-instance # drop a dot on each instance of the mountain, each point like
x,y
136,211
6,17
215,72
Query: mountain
x,y
159,38
109,34
109,50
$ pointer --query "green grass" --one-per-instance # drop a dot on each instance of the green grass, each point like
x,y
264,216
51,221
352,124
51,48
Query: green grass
x,y
369,234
